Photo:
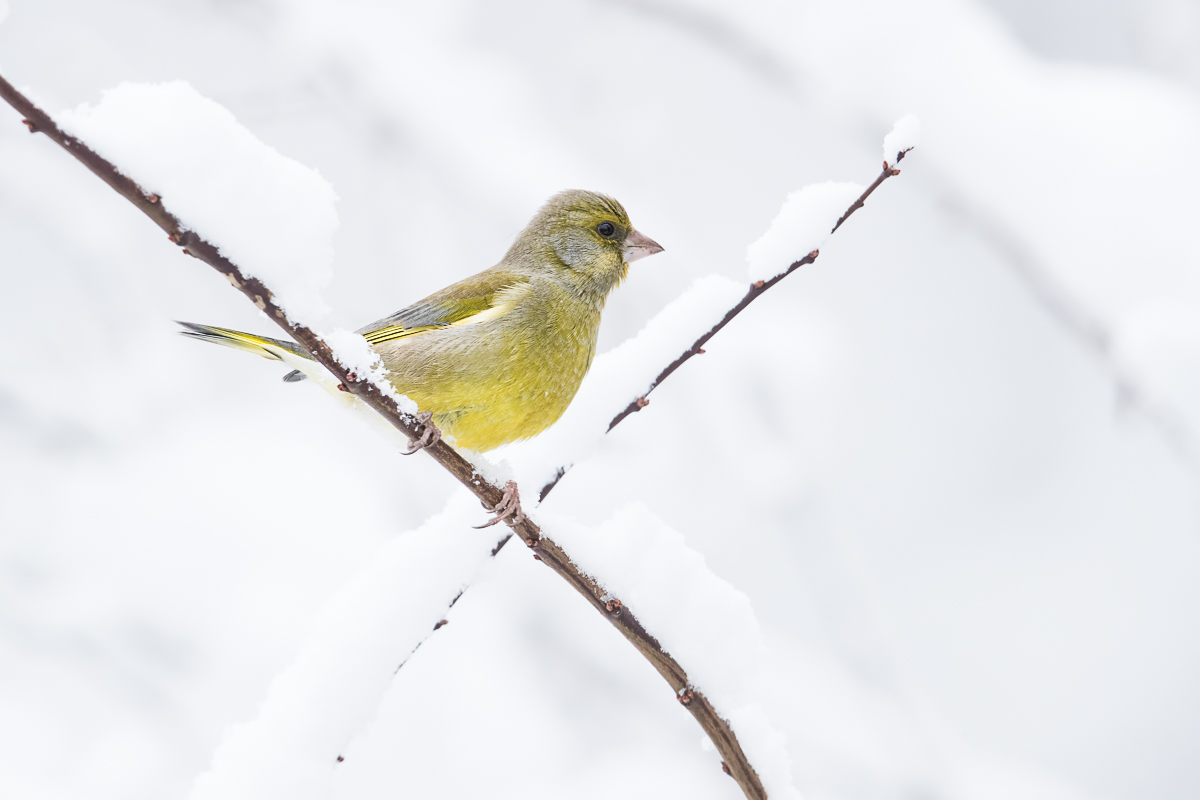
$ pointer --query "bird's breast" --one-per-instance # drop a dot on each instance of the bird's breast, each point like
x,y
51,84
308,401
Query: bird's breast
x,y
504,378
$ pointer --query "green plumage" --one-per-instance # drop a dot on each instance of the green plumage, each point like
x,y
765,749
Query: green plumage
x,y
498,356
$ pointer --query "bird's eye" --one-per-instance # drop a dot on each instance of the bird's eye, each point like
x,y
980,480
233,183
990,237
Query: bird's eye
x,y
606,229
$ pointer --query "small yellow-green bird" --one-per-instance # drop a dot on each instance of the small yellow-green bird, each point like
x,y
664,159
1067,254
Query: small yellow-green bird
x,y
499,356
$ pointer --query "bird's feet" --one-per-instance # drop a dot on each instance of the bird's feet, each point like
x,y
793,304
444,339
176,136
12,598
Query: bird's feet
x,y
430,435
509,506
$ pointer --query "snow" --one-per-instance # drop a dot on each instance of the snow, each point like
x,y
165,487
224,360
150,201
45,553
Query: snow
x,y
702,621
802,225
268,214
359,639
904,136
621,375
916,430
352,352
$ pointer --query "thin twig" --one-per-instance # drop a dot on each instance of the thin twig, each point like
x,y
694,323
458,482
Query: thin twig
x,y
546,550
755,291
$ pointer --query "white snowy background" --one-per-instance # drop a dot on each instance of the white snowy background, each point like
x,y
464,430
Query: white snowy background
x,y
953,464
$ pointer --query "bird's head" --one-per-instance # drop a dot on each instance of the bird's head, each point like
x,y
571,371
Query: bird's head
x,y
588,235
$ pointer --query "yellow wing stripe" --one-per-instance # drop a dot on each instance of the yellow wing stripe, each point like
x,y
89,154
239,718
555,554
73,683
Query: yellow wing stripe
x,y
397,332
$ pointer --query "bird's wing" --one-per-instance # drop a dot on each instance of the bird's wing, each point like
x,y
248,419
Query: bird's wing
x,y
475,299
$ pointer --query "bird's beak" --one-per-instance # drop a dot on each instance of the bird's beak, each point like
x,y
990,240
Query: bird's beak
x,y
639,245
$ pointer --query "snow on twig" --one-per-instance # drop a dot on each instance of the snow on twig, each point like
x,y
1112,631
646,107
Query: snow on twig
x,y
380,399
696,616
696,313
219,178
360,637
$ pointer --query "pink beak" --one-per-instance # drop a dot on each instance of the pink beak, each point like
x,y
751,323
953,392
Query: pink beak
x,y
639,245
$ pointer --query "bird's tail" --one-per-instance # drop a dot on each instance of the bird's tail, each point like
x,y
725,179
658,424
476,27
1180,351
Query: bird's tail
x,y
274,349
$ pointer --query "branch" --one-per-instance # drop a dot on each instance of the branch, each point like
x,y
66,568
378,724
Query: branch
x,y
756,290
543,548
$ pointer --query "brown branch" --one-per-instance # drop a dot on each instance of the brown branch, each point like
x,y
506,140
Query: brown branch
x,y
756,290
544,549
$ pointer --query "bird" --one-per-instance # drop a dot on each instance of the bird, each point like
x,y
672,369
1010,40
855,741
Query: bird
x,y
496,357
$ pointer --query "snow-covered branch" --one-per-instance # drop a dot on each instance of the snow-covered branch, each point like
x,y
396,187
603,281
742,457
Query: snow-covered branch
x,y
378,397
802,225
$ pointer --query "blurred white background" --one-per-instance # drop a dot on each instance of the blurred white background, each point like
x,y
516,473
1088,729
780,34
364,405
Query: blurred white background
x,y
953,463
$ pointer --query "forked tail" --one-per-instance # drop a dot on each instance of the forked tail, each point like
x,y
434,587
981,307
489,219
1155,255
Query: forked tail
x,y
263,346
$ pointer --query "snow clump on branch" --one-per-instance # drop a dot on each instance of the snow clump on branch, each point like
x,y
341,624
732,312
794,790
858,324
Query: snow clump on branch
x,y
700,619
802,225
360,638
270,215
904,136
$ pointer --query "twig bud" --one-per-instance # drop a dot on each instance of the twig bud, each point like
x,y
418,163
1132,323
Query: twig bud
x,y
642,402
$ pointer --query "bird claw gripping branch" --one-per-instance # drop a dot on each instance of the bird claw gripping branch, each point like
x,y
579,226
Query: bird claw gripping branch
x,y
430,435
509,506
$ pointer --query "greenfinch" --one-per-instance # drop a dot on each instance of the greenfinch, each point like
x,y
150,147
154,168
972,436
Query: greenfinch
x,y
498,357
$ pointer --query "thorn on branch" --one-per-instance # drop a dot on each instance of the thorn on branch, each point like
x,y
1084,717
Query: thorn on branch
x,y
813,255
440,623
530,542
175,238
686,697
187,252
29,124
536,557
342,387
613,607
642,402
153,198
759,284
701,351
726,770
